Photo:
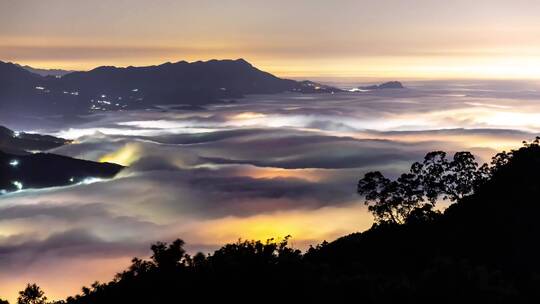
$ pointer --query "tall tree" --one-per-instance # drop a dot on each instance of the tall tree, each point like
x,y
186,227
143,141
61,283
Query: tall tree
x,y
416,193
32,294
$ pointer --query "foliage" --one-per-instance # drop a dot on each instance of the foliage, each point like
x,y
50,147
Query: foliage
x,y
417,192
32,294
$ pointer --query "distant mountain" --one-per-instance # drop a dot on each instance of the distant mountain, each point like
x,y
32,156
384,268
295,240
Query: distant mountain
x,y
386,85
112,88
45,72
308,86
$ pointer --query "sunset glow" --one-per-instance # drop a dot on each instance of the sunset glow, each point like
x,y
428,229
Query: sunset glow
x,y
348,42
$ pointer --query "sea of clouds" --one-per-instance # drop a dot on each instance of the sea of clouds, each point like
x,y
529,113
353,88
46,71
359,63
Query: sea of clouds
x,y
261,167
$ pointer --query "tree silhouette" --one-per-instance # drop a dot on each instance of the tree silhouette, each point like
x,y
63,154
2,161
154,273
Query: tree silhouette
x,y
168,257
32,294
3,301
417,192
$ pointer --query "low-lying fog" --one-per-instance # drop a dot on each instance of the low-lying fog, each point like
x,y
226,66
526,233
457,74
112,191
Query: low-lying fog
x,y
265,166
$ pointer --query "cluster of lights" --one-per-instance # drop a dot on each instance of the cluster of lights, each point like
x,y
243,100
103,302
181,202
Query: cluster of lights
x,y
18,185
86,181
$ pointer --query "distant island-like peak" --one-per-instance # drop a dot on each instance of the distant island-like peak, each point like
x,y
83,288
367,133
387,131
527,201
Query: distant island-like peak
x,y
386,85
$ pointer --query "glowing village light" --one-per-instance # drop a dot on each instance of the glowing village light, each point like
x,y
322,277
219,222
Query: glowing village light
x,y
14,163
18,185
90,180
16,134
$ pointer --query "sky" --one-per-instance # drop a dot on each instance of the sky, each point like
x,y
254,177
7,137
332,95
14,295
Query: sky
x,y
303,38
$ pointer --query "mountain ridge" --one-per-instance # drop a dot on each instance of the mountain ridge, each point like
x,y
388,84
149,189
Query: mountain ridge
x,y
45,72
106,88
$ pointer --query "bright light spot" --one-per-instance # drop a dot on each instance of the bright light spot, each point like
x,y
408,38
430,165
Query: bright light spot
x,y
16,134
76,133
91,180
17,184
14,163
248,115
156,124
135,90
124,156
358,90
40,88
306,225
71,180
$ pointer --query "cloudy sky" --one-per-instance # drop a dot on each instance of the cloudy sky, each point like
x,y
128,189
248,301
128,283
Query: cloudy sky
x,y
374,39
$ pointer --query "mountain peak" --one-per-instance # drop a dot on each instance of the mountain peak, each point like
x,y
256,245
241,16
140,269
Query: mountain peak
x,y
243,61
386,85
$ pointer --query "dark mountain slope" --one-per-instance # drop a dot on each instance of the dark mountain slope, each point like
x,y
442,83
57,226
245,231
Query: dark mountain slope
x,y
112,88
484,248
47,170
20,168
19,143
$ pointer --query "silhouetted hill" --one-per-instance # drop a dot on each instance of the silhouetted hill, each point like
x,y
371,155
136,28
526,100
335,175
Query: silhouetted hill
x,y
20,142
112,88
23,92
386,85
308,86
482,249
47,170
21,167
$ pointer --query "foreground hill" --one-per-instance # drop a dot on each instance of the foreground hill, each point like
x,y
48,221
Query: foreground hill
x,y
482,249
111,88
